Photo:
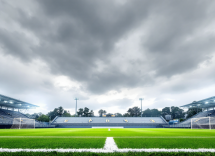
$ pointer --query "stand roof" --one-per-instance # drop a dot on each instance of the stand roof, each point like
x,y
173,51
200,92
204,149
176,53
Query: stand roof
x,y
14,103
205,103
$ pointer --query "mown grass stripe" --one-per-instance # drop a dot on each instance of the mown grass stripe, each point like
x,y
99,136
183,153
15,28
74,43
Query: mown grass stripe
x,y
166,143
52,143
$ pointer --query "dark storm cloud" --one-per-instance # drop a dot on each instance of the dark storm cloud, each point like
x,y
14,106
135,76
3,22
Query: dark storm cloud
x,y
74,35
177,40
10,43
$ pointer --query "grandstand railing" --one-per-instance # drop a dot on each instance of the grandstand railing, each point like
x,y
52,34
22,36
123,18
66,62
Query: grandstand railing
x,y
54,119
164,120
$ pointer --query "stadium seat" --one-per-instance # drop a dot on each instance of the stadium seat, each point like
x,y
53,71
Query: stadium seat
x,y
152,120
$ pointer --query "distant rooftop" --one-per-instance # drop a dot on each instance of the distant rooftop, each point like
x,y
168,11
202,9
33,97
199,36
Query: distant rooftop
x,y
205,103
9,102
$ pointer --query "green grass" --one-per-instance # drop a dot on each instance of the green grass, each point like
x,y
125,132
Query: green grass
x,y
192,143
89,132
52,143
95,138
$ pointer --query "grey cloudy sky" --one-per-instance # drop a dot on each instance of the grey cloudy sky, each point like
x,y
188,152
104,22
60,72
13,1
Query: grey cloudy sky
x,y
108,53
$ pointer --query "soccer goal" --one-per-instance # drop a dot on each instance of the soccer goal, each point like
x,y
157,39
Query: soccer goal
x,y
203,123
23,123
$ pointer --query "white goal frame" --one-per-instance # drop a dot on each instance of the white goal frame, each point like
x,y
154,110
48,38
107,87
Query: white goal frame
x,y
203,123
23,123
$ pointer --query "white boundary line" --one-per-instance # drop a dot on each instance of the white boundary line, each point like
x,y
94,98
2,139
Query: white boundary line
x,y
110,147
108,150
110,144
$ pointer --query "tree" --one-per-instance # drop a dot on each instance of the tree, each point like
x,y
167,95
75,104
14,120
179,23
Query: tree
x,y
177,113
52,114
66,114
147,113
101,112
130,112
109,115
34,116
192,111
126,115
43,118
155,113
118,115
56,112
60,110
86,111
91,114
135,111
165,111
80,112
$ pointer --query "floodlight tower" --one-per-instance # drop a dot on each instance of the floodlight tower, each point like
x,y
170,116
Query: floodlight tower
x,y
76,99
141,99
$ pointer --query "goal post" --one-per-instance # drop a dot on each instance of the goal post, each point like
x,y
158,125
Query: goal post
x,y
23,123
203,123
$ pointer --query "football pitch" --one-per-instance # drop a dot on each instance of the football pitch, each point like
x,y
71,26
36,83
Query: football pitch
x,y
105,141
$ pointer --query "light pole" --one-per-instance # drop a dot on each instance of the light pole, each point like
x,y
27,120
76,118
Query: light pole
x,y
76,99
141,99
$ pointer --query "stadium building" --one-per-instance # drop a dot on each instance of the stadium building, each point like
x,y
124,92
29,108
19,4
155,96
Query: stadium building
x,y
202,118
97,122
11,108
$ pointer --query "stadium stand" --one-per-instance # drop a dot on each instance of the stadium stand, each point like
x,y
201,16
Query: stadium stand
x,y
206,105
7,116
12,114
187,123
199,115
126,122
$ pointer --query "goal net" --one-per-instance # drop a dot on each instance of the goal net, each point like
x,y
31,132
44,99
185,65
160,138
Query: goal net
x,y
21,123
203,123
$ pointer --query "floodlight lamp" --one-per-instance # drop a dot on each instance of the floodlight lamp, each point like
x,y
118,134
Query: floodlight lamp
x,y
5,101
11,101
206,102
141,98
